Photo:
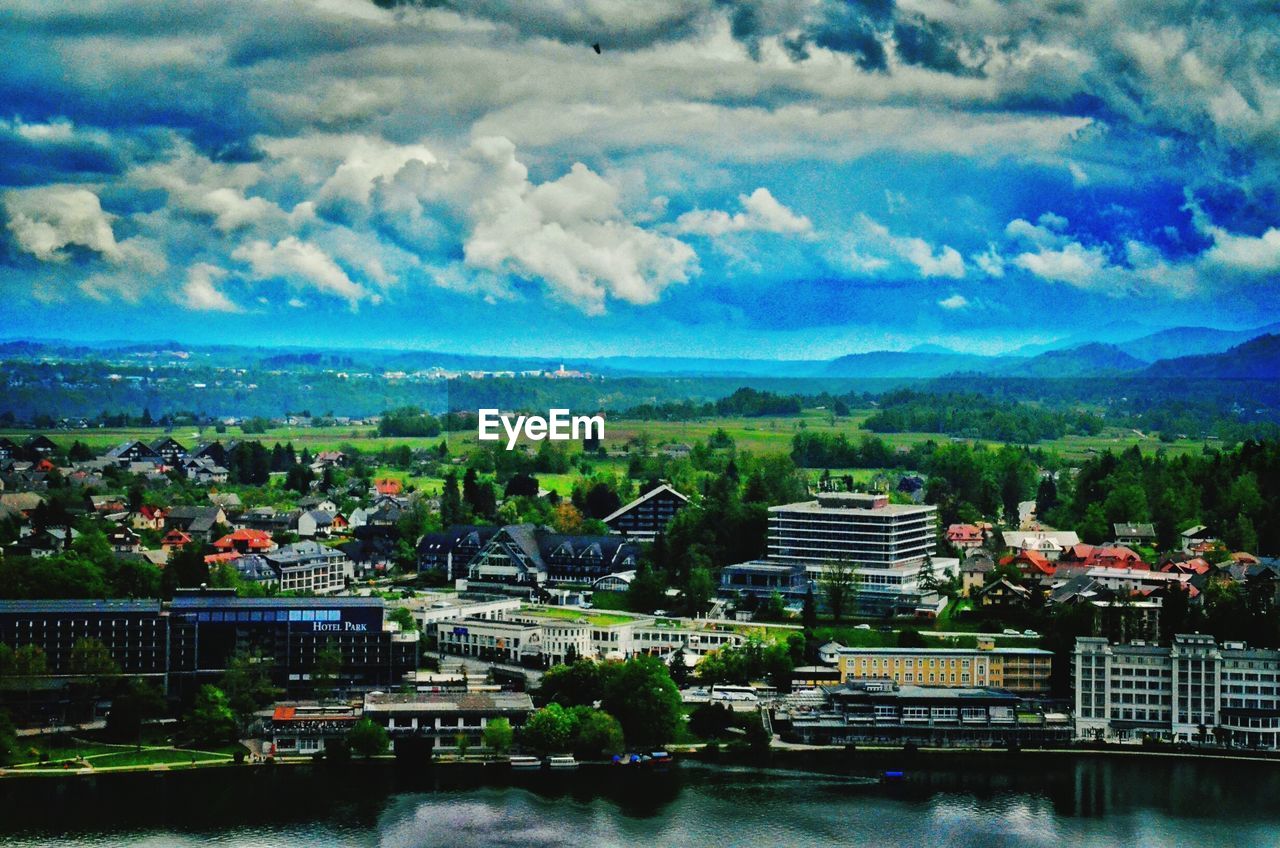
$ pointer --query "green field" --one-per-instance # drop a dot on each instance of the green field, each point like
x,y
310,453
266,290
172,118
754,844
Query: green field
x,y
764,435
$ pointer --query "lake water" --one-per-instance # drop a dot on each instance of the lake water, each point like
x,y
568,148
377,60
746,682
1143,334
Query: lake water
x,y
1016,800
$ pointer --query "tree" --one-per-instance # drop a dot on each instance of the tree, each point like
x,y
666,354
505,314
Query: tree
x,y
186,569
247,685
580,683
133,705
91,664
368,738
597,735
450,501
324,674
699,589
211,720
548,730
926,578
8,738
838,583
404,617
498,735
645,701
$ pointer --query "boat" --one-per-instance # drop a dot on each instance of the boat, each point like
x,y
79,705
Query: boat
x,y
564,762
893,776
660,757
523,763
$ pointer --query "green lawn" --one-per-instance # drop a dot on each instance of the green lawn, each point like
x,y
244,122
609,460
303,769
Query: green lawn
x,y
598,619
155,756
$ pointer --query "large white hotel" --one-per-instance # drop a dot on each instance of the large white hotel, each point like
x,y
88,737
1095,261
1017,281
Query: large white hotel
x,y
1194,688
884,543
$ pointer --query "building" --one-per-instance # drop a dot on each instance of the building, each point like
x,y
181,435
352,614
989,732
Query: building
x,y
134,632
1192,690
974,571
527,557
311,567
302,729
1046,543
965,536
762,578
207,628
892,713
444,717
1022,670
450,551
197,522
648,515
1135,534
126,453
170,451
884,544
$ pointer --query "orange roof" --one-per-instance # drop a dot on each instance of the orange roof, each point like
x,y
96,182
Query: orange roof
x,y
284,713
964,533
251,539
1031,562
175,537
225,556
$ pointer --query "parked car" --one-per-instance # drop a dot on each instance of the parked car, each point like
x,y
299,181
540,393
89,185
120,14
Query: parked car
x,y
862,627
1009,631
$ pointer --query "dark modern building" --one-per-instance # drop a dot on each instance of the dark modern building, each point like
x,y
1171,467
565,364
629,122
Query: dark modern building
x,y
761,578
450,551
208,628
190,640
648,515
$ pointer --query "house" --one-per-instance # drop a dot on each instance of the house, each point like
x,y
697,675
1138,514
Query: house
x,y
314,523
196,521
388,486
107,504
216,452
303,729
648,515
317,502
511,556
1134,534
124,540
170,451
148,518
229,501
974,571
965,536
204,470
1032,565
9,449
174,539
126,453
1185,565
1003,593
267,519
36,448
1197,537
1101,556
329,459
1049,544
23,502
246,541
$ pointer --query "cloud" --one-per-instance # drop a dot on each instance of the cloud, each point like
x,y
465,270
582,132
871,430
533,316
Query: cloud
x,y
989,261
761,212
1245,254
569,232
44,221
954,302
302,264
201,292
876,245
1073,264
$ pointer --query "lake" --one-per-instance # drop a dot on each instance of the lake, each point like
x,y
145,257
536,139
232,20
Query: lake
x,y
953,800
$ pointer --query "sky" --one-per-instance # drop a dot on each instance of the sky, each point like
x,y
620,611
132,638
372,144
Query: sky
x,y
787,179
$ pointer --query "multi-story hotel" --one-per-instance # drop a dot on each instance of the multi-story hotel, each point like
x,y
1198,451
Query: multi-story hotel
x,y
1194,689
884,543
1025,671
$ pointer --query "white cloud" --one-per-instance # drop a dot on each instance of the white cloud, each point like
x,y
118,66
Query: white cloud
x,y
201,292
48,219
1073,264
876,245
761,212
568,232
990,261
1246,254
300,263
954,302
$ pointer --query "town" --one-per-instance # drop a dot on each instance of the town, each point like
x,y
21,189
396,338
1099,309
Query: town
x,y
224,600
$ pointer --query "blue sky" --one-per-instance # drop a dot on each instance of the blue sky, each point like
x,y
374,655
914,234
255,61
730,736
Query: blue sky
x,y
801,178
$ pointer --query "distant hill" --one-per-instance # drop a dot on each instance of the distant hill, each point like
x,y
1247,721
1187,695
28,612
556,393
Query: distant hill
x,y
1191,341
1258,359
885,363
1084,361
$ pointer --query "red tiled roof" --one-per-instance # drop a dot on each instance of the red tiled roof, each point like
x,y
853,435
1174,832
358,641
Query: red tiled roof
x,y
964,533
176,537
284,713
247,538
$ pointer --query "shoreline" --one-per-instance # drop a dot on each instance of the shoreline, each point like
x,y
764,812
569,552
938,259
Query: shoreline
x,y
877,756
